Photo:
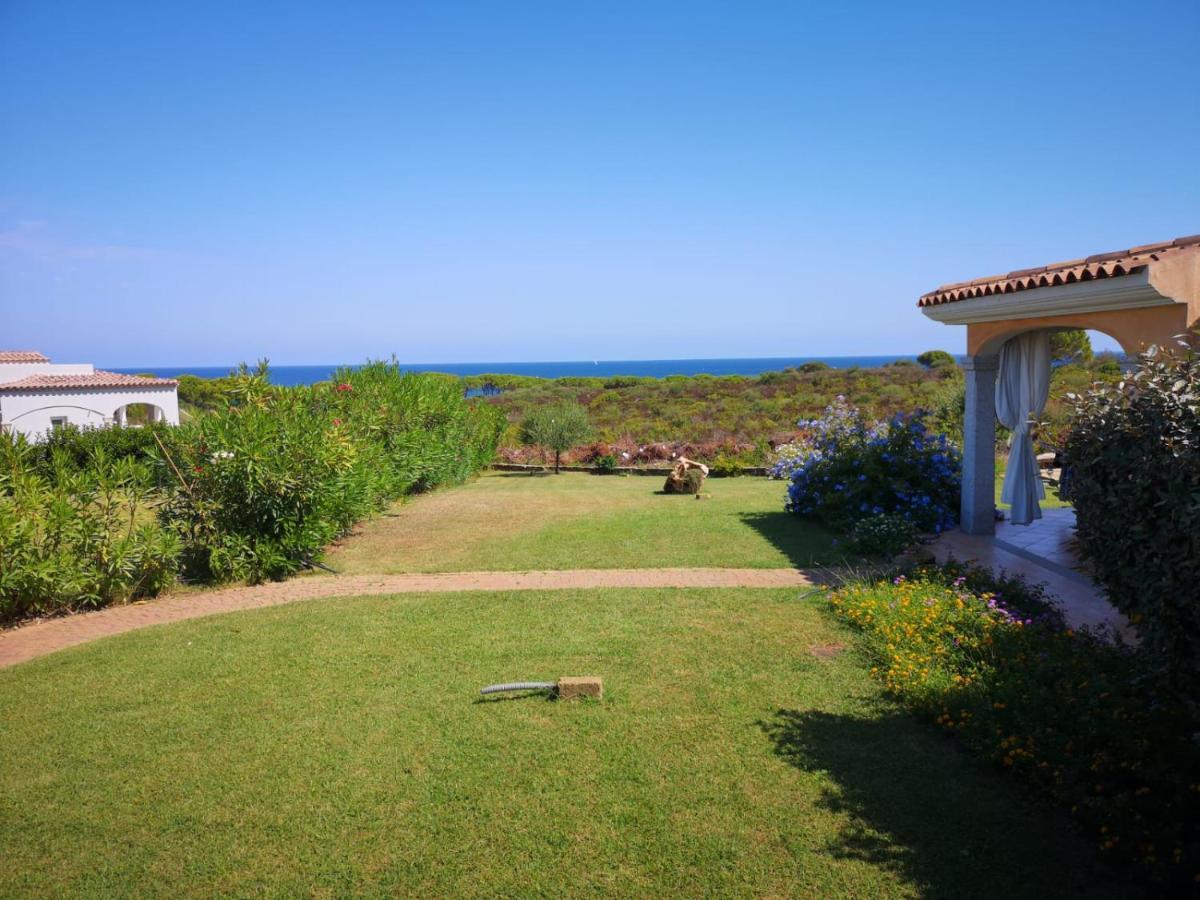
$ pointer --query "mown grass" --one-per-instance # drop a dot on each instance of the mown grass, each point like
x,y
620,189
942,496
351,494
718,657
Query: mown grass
x,y
514,521
1052,500
338,747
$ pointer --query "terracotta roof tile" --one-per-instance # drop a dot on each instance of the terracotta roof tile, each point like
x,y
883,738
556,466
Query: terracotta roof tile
x,y
98,379
1150,248
1100,265
22,356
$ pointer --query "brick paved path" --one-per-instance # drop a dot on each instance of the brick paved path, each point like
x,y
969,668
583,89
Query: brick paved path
x,y
39,638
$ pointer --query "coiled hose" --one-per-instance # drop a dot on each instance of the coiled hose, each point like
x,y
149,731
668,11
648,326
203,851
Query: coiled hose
x,y
520,686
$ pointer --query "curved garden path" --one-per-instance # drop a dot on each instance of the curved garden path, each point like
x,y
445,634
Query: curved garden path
x,y
39,638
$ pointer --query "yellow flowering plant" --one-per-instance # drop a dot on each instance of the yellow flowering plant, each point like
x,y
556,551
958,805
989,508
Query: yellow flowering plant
x,y
1077,714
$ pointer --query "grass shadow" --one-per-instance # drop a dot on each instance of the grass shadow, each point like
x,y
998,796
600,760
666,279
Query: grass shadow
x,y
804,543
548,696
923,810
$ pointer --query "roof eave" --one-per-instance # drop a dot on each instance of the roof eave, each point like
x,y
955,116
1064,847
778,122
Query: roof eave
x,y
1126,292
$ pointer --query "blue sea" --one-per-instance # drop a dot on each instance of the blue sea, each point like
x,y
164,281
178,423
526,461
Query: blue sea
x,y
655,368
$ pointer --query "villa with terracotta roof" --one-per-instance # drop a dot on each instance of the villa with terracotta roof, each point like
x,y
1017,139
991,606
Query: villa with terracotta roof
x,y
37,395
1141,296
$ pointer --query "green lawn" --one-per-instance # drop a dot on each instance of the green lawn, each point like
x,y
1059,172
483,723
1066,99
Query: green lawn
x,y
514,521
1052,500
338,747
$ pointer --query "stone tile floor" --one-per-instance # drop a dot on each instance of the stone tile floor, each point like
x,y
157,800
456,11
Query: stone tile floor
x,y
1043,553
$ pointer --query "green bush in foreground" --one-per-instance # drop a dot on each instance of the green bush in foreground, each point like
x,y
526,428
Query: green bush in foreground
x,y
75,446
257,489
1083,720
882,536
1134,457
76,536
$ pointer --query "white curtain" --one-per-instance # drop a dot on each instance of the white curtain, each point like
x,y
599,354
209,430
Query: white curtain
x,y
1021,390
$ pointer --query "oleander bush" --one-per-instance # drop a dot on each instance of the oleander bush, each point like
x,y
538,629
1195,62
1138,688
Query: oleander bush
x,y
1134,457
1087,722
76,535
846,469
75,446
255,490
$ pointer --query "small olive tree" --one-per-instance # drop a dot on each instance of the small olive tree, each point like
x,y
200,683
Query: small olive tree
x,y
559,428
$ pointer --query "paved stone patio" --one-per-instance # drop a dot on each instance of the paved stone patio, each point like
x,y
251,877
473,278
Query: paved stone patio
x,y
1043,553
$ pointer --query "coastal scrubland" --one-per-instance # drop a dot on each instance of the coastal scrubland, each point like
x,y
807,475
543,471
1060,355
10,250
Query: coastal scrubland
x,y
729,420
737,420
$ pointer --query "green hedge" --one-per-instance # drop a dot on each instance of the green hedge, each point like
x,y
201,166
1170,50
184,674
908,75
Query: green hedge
x,y
75,534
1134,458
252,490
256,490
75,445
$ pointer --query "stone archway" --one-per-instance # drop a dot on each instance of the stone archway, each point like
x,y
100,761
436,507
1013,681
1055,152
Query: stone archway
x,y
137,413
1133,329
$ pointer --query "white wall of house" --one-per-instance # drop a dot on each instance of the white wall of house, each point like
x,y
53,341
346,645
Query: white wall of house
x,y
32,412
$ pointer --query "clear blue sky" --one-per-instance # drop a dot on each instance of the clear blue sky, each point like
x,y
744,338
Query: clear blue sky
x,y
203,183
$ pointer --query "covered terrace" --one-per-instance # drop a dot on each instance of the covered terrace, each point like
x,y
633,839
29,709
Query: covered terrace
x,y
1142,296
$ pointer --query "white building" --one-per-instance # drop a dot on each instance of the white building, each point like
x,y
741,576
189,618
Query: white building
x,y
37,395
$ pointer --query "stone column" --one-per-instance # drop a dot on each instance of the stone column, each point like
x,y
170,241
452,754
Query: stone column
x,y
978,513
119,417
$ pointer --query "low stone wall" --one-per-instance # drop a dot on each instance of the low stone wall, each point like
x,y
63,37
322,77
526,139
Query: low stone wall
x,y
661,471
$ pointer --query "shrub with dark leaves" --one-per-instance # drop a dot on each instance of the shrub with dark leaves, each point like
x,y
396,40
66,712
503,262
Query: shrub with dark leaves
x,y
1085,721
1134,457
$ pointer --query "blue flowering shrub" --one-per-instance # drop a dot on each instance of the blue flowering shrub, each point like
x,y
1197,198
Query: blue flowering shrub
x,y
847,469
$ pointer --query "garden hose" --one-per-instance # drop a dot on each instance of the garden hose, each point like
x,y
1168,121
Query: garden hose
x,y
520,686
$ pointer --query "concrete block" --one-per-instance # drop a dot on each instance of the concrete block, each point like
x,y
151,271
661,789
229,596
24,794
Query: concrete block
x,y
571,688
